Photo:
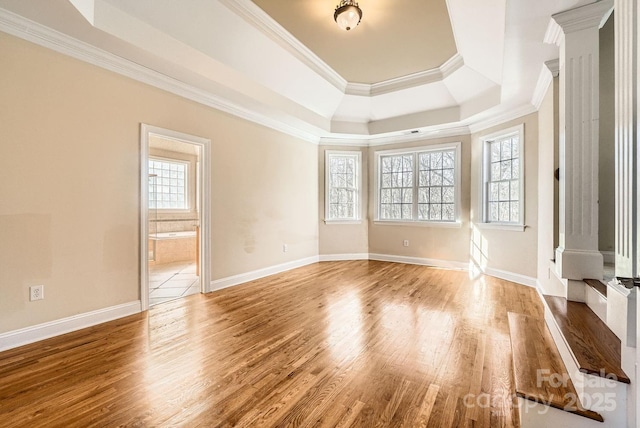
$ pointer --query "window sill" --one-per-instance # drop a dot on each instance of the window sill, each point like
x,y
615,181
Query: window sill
x,y
441,224
331,222
501,226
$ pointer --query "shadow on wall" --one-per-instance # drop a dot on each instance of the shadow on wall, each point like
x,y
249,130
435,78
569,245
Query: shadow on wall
x,y
479,253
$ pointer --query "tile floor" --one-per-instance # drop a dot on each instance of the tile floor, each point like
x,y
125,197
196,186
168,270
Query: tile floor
x,y
171,281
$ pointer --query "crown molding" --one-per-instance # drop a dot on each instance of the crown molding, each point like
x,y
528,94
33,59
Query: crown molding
x,y
500,119
554,66
359,89
583,17
554,34
34,32
425,135
345,142
260,20
549,71
405,137
41,35
409,81
544,80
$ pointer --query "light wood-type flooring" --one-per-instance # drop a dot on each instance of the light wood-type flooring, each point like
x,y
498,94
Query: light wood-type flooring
x,y
332,344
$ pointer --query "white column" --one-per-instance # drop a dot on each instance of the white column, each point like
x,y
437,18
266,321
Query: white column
x,y
627,152
626,145
577,256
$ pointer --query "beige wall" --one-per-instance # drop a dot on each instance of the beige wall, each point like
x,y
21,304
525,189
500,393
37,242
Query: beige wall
x,y
546,182
448,244
508,250
69,185
606,214
452,244
343,238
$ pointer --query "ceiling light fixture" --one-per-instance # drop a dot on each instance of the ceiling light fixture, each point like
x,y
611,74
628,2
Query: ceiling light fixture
x,y
348,14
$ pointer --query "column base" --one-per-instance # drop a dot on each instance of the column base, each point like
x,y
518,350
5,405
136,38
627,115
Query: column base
x,y
578,265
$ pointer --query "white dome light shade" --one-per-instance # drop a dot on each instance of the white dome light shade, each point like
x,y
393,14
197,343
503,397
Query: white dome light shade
x,y
347,14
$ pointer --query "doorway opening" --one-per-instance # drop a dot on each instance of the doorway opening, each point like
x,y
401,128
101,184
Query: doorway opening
x,y
174,224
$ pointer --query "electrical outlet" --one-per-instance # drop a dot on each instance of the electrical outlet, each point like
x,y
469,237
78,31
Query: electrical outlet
x,y
285,248
36,292
405,243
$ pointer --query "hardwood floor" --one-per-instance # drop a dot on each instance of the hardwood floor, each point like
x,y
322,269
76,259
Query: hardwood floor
x,y
359,343
534,351
595,348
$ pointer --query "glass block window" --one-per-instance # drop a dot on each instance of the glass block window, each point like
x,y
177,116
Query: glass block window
x,y
342,172
420,185
503,198
169,189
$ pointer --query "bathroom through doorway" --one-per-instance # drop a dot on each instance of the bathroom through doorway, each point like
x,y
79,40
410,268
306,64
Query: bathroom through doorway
x,y
174,261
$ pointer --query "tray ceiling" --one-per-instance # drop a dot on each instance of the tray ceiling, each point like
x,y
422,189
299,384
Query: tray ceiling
x,y
395,38
446,66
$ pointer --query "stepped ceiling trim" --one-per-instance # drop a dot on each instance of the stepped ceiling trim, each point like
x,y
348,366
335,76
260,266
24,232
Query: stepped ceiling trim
x,y
554,34
545,79
476,112
407,137
276,32
390,42
259,19
505,117
406,82
34,32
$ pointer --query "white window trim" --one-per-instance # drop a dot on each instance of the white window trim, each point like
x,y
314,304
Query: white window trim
x,y
484,223
416,222
421,223
358,210
187,193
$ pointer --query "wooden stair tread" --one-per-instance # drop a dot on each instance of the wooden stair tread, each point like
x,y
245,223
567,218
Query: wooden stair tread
x,y
598,285
595,347
534,356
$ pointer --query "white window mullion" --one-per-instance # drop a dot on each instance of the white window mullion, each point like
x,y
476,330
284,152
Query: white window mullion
x,y
415,188
441,198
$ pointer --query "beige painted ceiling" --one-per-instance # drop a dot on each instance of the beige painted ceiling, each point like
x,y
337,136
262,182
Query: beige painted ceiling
x,y
395,38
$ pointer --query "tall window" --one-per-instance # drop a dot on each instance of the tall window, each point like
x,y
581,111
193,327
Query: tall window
x,y
342,185
168,189
503,190
419,185
396,188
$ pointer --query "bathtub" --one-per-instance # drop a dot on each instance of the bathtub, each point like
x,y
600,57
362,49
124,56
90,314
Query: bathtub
x,y
168,247
172,235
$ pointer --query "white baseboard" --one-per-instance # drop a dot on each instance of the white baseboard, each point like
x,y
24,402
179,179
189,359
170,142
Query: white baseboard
x,y
343,257
447,264
230,281
513,277
13,339
419,261
24,336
